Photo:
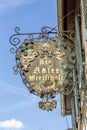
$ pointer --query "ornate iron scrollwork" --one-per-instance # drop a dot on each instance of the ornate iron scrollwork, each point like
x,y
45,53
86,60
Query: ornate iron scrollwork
x,y
46,34
45,62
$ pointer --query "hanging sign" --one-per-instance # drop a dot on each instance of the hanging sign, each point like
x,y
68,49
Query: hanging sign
x,y
41,65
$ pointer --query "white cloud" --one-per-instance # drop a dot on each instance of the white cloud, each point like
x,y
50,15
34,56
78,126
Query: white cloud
x,y
13,123
10,4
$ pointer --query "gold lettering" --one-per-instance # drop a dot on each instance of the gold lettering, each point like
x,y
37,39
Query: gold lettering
x,y
48,70
52,71
57,71
43,70
32,78
36,70
52,78
49,62
45,62
42,62
46,77
56,78
43,78
36,78
39,78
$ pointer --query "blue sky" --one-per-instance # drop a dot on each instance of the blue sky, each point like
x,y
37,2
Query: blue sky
x,y
18,108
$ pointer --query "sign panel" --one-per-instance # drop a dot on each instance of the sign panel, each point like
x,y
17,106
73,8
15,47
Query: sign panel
x,y
41,64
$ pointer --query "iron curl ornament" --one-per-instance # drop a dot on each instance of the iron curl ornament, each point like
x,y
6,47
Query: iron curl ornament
x,y
45,61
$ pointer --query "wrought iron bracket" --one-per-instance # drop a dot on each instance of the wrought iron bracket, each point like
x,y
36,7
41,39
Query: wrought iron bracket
x,y
46,34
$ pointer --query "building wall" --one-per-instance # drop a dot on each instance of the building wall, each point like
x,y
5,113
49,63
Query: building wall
x,y
84,42
67,11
